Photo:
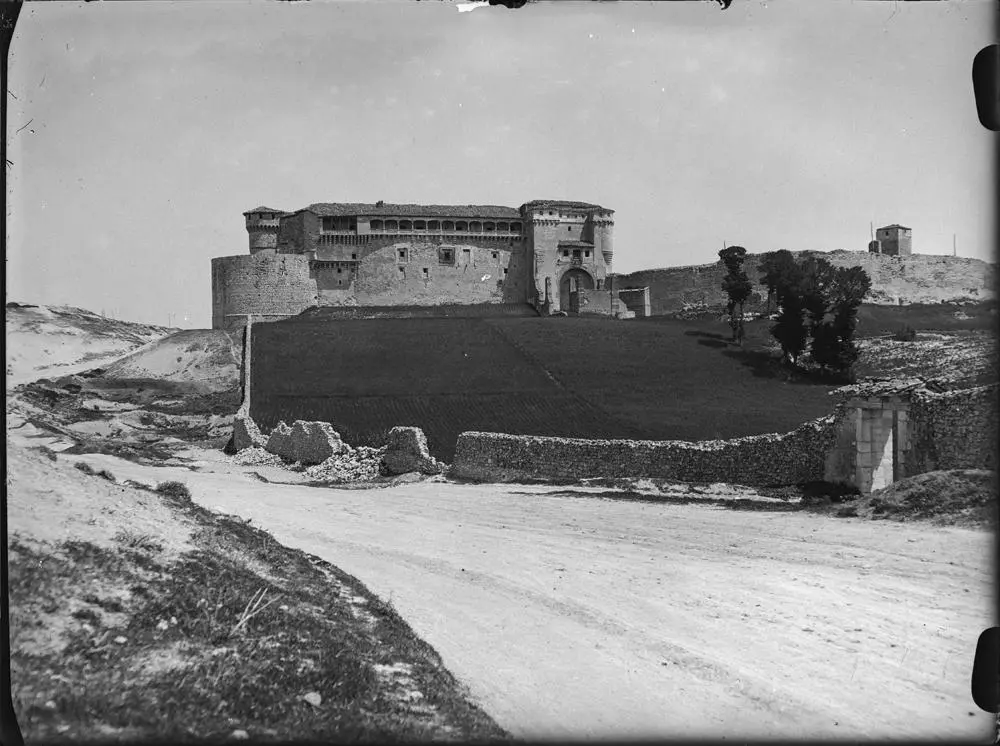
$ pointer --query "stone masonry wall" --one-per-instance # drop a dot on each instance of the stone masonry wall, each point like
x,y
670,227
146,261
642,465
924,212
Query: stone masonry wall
x,y
269,286
760,460
953,430
919,278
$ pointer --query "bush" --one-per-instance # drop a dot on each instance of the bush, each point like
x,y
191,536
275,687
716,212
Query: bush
x,y
105,474
84,467
906,333
174,489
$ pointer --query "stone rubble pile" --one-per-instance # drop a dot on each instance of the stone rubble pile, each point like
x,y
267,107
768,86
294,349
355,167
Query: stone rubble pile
x,y
360,464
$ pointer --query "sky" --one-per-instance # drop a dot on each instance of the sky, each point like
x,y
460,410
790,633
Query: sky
x,y
139,132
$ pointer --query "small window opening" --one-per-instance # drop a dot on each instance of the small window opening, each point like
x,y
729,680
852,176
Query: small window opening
x,y
426,272
354,256
586,254
495,254
565,252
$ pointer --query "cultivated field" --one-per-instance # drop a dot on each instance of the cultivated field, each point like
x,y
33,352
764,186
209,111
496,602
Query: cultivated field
x,y
574,377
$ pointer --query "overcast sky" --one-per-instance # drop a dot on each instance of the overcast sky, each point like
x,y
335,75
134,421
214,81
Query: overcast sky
x,y
785,124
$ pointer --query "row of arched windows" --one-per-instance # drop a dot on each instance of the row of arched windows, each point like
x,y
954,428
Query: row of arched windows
x,y
447,226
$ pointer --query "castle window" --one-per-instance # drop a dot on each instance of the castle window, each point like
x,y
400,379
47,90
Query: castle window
x,y
391,225
339,270
427,272
565,252
586,254
446,256
569,228
354,256
515,227
496,254
475,227
489,227
402,271
503,227
419,225
433,225
448,225
376,225
402,255
461,226
504,271
405,225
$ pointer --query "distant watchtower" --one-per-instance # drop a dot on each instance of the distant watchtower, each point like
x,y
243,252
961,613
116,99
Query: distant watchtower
x,y
262,225
892,240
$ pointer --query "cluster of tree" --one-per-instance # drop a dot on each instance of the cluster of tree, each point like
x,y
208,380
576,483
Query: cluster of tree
x,y
817,304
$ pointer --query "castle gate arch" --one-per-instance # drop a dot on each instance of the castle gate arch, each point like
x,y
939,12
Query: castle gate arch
x,y
574,279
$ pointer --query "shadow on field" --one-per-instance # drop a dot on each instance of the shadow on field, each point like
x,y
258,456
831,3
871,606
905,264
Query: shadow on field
x,y
732,503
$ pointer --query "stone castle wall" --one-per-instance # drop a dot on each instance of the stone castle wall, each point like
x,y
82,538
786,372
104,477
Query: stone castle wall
x,y
269,286
953,430
276,286
920,278
759,460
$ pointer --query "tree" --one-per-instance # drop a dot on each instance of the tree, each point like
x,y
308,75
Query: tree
x,y
737,287
817,308
778,270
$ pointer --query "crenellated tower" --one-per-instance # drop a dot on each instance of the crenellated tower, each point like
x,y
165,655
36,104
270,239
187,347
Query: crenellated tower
x,y
262,225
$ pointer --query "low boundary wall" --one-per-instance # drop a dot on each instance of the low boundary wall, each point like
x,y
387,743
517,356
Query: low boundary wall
x,y
953,430
796,457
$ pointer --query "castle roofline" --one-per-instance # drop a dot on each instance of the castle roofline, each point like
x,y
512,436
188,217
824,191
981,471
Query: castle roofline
x,y
266,209
575,245
562,203
352,209
894,225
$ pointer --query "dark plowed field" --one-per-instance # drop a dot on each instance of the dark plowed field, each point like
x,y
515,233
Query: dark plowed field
x,y
574,377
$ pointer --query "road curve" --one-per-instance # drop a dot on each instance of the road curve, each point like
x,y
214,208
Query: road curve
x,y
577,616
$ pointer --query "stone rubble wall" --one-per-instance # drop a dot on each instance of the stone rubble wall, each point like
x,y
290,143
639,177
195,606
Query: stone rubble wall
x,y
759,460
920,278
305,442
953,430
406,451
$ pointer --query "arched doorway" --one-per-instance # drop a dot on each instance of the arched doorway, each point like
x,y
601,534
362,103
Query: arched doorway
x,y
574,279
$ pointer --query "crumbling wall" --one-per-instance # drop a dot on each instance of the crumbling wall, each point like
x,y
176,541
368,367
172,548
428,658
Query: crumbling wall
x,y
953,430
591,302
759,460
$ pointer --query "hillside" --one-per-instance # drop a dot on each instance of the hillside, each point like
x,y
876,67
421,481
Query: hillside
x,y
57,340
921,278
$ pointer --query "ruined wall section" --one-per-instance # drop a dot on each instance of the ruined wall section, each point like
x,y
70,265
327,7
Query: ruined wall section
x,y
920,278
953,430
269,286
760,460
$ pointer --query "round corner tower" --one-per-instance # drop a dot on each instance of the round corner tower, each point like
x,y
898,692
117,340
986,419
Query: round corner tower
x,y
604,229
262,225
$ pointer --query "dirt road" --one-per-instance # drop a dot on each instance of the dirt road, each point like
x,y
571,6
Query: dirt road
x,y
574,616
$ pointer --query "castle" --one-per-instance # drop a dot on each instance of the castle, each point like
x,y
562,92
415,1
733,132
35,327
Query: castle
x,y
555,255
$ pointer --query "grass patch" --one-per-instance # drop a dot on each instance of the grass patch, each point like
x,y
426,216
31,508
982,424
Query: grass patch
x,y
229,636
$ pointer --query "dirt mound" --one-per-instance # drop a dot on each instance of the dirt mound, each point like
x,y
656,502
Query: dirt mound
x,y
959,497
50,340
200,360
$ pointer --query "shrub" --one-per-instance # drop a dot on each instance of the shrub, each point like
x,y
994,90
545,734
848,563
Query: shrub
x,y
105,474
84,467
906,333
174,489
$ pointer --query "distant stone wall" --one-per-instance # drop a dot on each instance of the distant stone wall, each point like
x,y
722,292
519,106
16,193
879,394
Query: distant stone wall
x,y
953,430
920,278
269,286
586,301
759,460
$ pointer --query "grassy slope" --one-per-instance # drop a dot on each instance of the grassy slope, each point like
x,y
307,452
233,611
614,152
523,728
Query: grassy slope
x,y
155,650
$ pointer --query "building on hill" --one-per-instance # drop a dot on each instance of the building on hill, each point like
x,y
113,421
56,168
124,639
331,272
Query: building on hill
x,y
892,240
552,254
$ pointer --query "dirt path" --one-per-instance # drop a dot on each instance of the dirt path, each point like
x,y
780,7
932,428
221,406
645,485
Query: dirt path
x,y
586,617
